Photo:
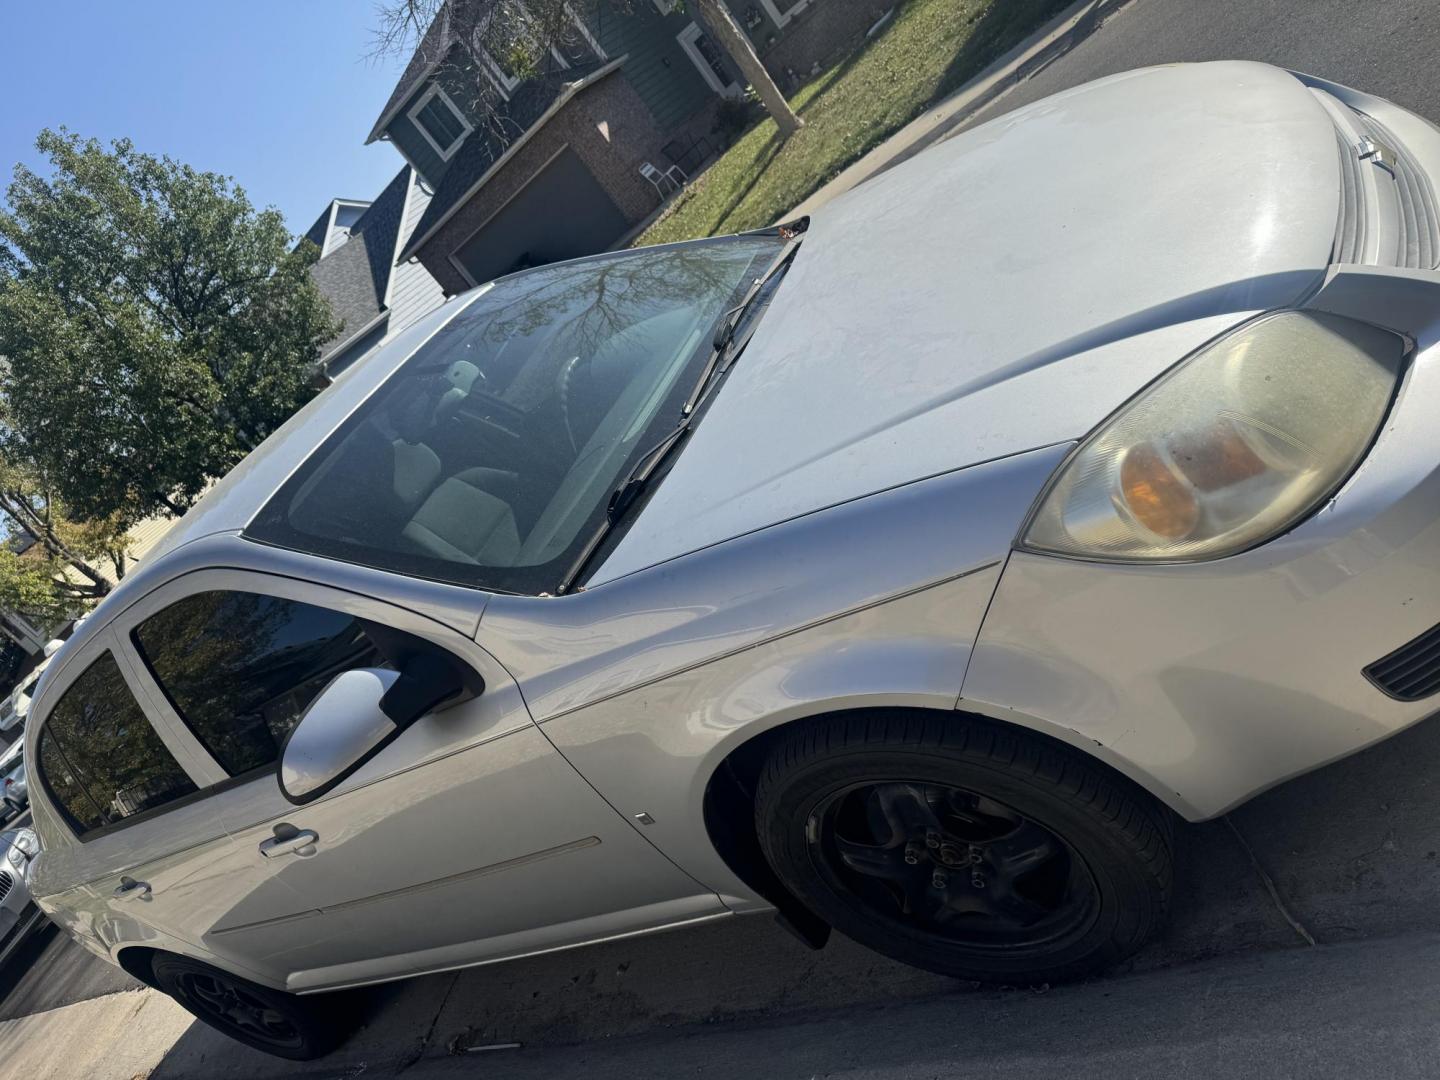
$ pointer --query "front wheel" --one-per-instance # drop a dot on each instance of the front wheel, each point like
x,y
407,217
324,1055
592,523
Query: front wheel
x,y
278,1023
964,847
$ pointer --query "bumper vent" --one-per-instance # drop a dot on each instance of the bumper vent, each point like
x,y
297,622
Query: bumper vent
x,y
1417,220
6,884
1412,671
1354,214
1389,213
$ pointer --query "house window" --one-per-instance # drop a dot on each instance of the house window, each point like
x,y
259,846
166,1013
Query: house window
x,y
585,33
442,124
708,60
575,45
500,46
783,15
504,80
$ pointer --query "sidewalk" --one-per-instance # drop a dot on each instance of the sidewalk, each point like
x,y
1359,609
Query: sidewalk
x,y
1043,47
1338,1011
117,1037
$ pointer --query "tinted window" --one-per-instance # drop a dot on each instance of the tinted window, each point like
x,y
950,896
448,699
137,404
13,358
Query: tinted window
x,y
489,457
99,755
241,668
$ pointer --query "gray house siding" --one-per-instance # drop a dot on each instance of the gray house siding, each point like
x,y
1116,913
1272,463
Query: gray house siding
x,y
659,70
413,145
413,291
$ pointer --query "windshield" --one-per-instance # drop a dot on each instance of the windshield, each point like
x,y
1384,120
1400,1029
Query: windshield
x,y
490,455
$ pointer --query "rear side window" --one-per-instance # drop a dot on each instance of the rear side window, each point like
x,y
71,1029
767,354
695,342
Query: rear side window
x,y
99,756
241,668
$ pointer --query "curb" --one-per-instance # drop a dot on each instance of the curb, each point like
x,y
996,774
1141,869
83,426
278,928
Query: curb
x,y
1039,50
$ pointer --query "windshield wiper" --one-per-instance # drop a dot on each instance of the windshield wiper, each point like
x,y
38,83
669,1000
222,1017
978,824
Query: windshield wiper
x,y
623,497
723,348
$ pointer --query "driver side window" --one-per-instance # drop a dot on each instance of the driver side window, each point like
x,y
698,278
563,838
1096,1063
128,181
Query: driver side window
x,y
241,668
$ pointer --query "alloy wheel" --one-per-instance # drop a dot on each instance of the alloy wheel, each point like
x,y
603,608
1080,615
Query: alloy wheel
x,y
230,1005
947,863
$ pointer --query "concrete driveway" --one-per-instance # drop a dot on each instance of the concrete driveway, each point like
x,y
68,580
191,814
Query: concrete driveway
x,y
1346,855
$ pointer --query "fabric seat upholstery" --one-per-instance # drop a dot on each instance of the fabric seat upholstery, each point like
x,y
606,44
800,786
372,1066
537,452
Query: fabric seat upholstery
x,y
462,522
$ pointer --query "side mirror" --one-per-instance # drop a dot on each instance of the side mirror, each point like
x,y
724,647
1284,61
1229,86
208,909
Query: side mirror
x,y
355,717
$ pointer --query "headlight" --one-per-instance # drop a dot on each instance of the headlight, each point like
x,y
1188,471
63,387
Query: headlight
x,y
1231,447
25,846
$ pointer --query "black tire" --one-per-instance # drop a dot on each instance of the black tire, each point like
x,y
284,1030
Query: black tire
x,y
285,1025
924,838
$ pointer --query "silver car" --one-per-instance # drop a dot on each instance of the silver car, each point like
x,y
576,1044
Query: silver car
x,y
14,789
903,571
18,913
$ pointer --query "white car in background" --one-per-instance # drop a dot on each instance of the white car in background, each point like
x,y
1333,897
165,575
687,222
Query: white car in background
x,y
17,705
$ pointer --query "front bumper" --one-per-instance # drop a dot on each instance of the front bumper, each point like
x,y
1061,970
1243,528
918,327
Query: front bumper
x,y
1211,682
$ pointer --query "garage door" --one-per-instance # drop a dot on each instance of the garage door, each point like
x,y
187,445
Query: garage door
x,y
561,214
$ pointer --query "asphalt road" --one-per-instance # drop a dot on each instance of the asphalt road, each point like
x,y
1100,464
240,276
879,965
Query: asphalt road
x,y
1352,850
1386,47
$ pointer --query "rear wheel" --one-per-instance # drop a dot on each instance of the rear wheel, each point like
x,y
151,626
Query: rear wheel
x,y
270,1020
964,847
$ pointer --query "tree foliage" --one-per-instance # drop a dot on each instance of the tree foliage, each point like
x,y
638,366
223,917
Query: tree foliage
x,y
58,575
155,328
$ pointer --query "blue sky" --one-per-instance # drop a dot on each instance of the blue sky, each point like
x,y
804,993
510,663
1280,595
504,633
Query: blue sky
x,y
277,94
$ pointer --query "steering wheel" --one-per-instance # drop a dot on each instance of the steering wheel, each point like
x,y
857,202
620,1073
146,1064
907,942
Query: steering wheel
x,y
565,383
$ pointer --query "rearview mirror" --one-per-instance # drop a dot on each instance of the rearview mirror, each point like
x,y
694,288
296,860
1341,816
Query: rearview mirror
x,y
355,717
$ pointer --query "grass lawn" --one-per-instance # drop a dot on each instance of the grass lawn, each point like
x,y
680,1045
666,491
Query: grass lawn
x,y
929,49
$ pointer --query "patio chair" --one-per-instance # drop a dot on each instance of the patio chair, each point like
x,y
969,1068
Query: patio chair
x,y
659,179
687,152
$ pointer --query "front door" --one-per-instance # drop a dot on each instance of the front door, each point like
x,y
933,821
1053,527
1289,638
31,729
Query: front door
x,y
469,838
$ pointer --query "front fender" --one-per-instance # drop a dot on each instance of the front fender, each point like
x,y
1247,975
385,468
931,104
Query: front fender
x,y
653,750
648,684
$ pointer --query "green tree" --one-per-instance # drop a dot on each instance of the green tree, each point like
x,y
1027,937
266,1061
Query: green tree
x,y
58,575
155,328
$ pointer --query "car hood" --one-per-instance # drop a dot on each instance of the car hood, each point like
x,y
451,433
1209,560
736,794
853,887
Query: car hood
x,y
1008,289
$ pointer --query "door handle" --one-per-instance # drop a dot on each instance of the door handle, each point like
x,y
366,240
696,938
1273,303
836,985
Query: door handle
x,y
130,889
289,840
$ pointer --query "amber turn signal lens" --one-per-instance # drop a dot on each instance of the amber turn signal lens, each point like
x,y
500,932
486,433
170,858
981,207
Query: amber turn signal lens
x,y
1158,499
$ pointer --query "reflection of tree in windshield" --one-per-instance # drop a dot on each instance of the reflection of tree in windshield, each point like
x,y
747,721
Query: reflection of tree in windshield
x,y
488,457
101,757
529,326
241,668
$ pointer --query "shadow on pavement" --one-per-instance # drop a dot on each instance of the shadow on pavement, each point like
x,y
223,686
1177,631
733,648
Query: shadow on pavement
x,y
49,970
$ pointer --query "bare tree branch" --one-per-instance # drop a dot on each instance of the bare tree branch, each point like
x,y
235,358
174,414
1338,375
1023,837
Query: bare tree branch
x,y
466,40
